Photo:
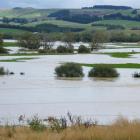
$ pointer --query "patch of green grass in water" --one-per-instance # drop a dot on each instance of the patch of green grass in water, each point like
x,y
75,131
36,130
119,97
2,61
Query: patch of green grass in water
x,y
10,44
17,59
35,54
121,54
125,65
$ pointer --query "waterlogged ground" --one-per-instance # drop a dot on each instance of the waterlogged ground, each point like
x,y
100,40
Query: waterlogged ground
x,y
40,92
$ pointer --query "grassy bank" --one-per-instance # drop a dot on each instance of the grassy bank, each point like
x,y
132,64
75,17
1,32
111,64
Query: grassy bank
x,y
120,130
17,59
126,65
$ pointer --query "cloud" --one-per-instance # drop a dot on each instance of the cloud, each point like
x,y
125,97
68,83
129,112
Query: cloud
x,y
65,3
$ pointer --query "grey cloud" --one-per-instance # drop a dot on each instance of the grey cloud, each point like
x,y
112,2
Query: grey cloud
x,y
65,3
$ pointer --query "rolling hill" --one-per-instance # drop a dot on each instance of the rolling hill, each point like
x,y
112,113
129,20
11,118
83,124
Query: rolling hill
x,y
76,20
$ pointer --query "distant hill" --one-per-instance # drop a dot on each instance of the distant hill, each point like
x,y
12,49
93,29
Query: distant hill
x,y
107,17
109,7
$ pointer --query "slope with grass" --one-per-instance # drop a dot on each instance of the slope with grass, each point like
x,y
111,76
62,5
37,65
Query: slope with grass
x,y
125,23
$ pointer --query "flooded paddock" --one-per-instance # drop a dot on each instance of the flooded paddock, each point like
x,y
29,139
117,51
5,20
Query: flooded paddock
x,y
40,92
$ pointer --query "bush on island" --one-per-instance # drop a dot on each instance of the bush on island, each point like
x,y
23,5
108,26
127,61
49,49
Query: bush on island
x,y
136,75
64,49
45,51
103,71
2,71
69,70
83,49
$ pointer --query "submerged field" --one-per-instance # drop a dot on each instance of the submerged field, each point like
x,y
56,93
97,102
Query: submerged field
x,y
39,91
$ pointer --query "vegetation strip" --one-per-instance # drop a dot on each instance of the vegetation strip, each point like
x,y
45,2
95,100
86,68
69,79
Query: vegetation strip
x,y
10,44
17,59
121,54
125,65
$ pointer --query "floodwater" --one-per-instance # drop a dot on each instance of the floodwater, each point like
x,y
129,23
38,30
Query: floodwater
x,y
108,47
40,92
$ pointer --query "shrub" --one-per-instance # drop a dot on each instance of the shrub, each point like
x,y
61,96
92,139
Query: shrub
x,y
57,124
63,49
45,51
2,71
3,50
36,124
136,75
69,70
83,49
103,71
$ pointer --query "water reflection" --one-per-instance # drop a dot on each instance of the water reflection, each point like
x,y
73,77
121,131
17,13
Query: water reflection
x,y
104,79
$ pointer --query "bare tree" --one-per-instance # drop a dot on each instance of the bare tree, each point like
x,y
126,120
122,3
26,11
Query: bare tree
x,y
99,37
1,41
46,42
29,41
69,39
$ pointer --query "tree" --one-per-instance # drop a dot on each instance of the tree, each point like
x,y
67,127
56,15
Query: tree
x,y
69,39
29,41
103,71
1,41
83,49
46,42
2,49
69,70
99,37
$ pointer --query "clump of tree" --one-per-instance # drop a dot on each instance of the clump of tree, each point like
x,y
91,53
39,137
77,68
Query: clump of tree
x,y
2,49
29,41
119,37
103,71
83,49
46,44
136,75
3,71
99,37
64,49
69,39
69,70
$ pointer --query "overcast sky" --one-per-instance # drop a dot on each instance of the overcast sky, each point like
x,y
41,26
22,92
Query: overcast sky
x,y
65,3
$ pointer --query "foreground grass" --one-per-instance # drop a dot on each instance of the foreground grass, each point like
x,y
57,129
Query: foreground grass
x,y
121,130
125,65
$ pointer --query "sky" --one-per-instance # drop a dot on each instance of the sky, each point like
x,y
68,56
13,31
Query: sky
x,y
65,3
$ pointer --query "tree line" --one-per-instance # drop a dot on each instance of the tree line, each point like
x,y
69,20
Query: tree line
x,y
88,18
42,28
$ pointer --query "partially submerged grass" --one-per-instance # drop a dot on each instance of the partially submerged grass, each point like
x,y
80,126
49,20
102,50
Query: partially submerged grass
x,y
125,65
35,54
121,54
10,44
120,130
17,59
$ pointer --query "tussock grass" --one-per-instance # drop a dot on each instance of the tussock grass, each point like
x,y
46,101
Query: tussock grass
x,y
122,129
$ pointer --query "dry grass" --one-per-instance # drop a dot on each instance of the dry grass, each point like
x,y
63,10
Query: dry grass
x,y
122,129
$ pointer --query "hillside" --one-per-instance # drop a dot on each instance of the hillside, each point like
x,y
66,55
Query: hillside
x,y
76,20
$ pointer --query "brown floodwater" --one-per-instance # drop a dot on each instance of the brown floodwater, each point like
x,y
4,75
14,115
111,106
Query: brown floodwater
x,y
40,92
